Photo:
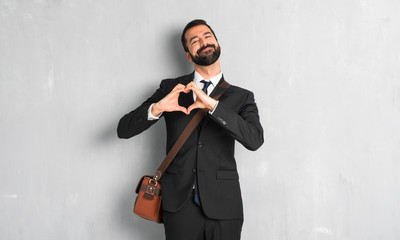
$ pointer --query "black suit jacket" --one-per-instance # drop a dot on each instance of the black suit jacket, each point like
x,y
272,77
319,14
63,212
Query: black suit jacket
x,y
208,152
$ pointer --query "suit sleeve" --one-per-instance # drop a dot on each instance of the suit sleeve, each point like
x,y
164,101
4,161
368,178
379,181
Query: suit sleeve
x,y
243,125
135,122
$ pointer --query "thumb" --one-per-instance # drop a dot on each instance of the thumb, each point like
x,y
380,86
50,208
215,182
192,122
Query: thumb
x,y
191,107
184,110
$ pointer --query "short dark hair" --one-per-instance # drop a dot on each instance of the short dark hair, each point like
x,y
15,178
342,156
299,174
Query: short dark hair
x,y
193,23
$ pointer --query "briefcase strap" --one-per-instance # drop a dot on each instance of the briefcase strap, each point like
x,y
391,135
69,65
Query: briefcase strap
x,y
223,86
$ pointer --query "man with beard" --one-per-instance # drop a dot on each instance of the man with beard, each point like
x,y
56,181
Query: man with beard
x,y
201,196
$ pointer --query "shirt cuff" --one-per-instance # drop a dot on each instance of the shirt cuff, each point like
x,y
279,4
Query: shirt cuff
x,y
151,116
216,105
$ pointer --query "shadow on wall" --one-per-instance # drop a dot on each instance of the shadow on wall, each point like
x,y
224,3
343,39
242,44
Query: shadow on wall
x,y
135,226
180,63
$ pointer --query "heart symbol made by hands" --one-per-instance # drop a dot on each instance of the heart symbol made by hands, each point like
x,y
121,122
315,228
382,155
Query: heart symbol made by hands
x,y
170,102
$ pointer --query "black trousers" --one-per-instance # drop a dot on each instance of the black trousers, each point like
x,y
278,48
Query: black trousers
x,y
190,223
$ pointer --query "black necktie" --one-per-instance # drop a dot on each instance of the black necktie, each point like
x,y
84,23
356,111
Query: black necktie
x,y
206,84
196,186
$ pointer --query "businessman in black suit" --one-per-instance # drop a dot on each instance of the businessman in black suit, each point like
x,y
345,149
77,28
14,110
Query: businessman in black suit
x,y
201,192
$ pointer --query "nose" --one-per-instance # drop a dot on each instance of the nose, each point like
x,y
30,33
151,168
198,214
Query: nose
x,y
203,42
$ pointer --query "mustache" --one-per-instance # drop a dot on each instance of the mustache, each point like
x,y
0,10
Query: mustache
x,y
204,47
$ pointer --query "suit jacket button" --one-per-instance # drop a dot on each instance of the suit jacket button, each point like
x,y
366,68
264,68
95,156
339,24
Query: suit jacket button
x,y
200,144
194,170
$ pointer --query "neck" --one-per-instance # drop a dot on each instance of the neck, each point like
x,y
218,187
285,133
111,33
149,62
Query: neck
x,y
208,71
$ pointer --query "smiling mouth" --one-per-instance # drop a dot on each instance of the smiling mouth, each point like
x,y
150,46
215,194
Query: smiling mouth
x,y
207,52
206,49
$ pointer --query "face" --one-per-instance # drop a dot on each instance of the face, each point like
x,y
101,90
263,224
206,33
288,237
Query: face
x,y
203,47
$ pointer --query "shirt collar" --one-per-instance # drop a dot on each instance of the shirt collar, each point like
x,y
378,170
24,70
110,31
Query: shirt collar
x,y
214,80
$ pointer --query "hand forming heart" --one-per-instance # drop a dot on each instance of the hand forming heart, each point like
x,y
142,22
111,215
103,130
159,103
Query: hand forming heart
x,y
170,102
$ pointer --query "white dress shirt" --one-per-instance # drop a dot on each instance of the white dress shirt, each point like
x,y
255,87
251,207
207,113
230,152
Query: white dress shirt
x,y
197,80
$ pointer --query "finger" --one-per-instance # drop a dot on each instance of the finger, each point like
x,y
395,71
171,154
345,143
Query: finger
x,y
178,90
197,91
186,90
202,96
181,109
178,87
189,110
192,107
192,85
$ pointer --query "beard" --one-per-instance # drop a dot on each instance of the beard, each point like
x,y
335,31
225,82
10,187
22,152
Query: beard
x,y
206,59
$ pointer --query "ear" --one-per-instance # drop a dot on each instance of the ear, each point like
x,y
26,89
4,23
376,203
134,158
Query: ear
x,y
189,58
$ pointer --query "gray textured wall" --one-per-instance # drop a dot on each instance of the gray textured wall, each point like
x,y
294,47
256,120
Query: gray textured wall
x,y
325,74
